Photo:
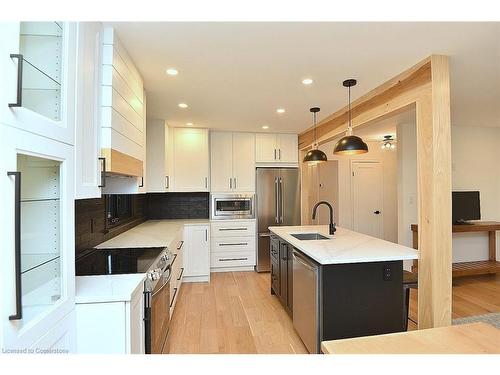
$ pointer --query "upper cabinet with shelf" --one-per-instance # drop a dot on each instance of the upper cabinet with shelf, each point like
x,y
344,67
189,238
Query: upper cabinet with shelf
x,y
276,148
38,62
232,162
122,110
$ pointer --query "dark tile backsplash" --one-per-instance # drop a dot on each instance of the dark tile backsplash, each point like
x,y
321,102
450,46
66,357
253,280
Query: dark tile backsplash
x,y
90,214
178,205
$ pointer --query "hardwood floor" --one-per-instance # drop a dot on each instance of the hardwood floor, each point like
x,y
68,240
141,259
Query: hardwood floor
x,y
236,313
474,295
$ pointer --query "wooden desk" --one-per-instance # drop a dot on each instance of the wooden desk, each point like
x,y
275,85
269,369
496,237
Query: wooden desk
x,y
474,338
482,267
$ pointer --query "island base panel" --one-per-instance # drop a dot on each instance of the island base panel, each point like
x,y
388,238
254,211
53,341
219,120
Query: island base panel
x,y
361,299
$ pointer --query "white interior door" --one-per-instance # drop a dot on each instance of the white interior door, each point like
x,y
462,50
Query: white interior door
x,y
367,198
328,190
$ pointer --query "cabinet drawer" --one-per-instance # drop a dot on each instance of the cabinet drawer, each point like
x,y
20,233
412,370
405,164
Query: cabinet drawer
x,y
232,259
228,228
230,244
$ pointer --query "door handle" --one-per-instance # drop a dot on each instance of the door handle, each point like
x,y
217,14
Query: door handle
x,y
19,99
281,201
103,173
377,212
17,243
276,198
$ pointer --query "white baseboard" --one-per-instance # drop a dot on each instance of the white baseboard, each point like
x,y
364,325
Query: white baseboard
x,y
196,279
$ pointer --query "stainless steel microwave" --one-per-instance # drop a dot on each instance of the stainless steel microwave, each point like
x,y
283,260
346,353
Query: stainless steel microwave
x,y
232,206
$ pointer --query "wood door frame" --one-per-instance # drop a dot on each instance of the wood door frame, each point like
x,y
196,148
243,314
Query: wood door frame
x,y
351,187
425,86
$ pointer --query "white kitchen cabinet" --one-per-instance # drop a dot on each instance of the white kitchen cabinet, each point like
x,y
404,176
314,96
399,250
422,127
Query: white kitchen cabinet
x,y
43,212
143,181
122,110
111,327
158,156
196,253
43,56
177,269
87,127
233,245
189,160
232,161
276,148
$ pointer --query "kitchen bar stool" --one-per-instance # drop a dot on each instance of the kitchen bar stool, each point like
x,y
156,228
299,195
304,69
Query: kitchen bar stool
x,y
410,281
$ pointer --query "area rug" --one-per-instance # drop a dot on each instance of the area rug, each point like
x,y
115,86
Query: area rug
x,y
493,319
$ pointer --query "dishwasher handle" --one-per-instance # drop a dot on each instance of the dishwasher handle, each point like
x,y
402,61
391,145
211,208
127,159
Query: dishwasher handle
x,y
303,262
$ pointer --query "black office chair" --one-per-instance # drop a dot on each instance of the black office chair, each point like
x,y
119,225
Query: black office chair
x,y
410,281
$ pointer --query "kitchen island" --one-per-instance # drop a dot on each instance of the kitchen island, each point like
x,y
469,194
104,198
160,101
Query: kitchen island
x,y
338,286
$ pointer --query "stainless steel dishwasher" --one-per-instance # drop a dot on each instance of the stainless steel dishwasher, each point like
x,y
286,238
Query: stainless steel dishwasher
x,y
305,301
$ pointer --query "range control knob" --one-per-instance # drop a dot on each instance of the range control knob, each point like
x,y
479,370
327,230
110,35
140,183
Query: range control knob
x,y
154,275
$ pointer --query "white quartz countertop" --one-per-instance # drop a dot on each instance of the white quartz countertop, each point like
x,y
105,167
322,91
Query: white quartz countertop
x,y
345,246
108,288
152,233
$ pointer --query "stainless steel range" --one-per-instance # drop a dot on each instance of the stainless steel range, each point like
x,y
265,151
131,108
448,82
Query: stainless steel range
x,y
156,264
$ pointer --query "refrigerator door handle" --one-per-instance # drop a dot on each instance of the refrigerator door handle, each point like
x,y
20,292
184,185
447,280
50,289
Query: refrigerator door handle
x,y
276,201
282,203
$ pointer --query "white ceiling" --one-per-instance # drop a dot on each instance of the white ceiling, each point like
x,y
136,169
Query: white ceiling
x,y
235,75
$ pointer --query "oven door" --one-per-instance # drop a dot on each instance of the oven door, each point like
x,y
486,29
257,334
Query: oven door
x,y
158,315
232,207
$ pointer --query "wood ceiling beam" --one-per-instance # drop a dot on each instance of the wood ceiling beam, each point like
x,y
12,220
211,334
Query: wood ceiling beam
x,y
416,76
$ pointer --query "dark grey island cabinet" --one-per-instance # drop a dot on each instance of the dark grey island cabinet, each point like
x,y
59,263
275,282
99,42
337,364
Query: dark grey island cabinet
x,y
336,301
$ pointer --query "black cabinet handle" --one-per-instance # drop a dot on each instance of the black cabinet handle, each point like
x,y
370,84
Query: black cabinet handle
x,y
17,220
377,212
142,182
19,99
180,275
173,260
180,245
173,298
103,173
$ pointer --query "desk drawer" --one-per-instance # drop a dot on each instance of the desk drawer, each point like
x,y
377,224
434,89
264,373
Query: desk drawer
x,y
228,228
232,259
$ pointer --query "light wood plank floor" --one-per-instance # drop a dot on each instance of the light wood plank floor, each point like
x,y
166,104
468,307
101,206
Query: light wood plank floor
x,y
236,313
473,295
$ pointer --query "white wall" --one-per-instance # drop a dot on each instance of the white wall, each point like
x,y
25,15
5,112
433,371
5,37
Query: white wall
x,y
388,160
475,166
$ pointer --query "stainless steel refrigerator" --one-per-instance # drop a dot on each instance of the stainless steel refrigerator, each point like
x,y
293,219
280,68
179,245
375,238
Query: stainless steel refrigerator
x,y
278,203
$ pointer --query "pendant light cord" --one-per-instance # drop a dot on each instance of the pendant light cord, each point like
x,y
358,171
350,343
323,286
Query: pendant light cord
x,y
349,127
315,138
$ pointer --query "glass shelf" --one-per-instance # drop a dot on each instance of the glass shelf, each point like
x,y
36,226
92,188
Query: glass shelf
x,y
30,262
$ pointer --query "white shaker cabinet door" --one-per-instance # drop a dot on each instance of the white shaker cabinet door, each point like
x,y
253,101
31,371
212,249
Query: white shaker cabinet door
x,y
265,148
221,162
243,162
190,160
197,251
87,127
287,145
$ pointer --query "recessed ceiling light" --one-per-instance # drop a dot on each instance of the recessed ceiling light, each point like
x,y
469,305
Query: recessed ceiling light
x,y
265,127
189,123
183,105
172,71
280,110
307,81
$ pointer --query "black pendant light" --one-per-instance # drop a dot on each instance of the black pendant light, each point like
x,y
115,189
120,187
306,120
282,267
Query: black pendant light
x,y
350,144
315,156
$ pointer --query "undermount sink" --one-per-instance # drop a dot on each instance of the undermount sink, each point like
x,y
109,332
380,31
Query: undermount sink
x,y
309,236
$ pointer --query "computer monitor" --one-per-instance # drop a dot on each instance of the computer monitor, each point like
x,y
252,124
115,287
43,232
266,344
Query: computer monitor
x,y
466,206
